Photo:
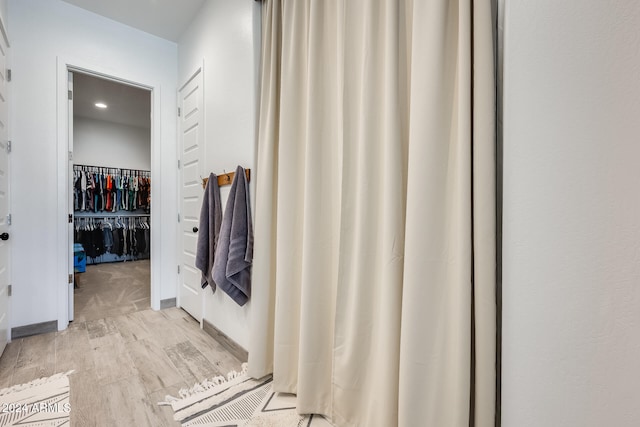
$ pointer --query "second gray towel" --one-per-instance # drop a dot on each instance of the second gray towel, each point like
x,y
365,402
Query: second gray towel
x,y
234,253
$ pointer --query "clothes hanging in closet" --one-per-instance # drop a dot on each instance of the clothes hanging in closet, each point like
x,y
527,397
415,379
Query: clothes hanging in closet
x,y
101,189
125,238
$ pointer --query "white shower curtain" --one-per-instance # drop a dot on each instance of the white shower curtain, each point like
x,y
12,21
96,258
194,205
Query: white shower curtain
x,y
373,292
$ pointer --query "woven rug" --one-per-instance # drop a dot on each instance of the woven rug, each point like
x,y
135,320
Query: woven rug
x,y
39,403
239,401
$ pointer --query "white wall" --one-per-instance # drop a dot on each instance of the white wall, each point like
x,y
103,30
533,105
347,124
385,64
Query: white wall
x,y
41,31
571,263
226,36
101,143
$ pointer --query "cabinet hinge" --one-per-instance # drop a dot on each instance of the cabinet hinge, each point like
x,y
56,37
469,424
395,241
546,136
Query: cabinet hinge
x,y
9,219
8,74
8,147
70,155
178,216
9,290
70,95
178,269
178,111
70,218
70,278
178,163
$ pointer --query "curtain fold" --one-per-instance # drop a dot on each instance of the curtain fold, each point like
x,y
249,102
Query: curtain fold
x,y
374,257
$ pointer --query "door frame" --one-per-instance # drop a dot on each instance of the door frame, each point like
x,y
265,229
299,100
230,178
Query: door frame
x,y
124,76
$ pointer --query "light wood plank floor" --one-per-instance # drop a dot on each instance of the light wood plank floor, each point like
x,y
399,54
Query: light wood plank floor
x,y
125,356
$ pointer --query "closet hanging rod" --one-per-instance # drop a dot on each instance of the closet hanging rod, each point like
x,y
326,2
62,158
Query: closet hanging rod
x,y
227,178
78,165
97,216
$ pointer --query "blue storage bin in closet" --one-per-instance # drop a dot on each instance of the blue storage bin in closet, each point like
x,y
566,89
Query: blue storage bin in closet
x,y
79,258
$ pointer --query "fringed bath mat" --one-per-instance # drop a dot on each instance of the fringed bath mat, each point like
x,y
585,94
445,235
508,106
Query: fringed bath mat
x,y
41,403
239,401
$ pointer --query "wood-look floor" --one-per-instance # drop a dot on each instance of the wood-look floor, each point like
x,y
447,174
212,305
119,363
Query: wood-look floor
x,y
125,356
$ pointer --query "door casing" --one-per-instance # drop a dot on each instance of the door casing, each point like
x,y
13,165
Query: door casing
x,y
64,66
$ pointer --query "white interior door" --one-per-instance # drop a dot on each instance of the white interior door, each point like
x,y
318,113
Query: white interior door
x,y
70,206
191,139
4,197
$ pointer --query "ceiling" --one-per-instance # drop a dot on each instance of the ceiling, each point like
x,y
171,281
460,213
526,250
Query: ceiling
x,y
127,105
163,18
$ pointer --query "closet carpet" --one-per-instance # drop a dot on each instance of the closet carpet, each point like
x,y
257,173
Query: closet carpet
x,y
112,289
126,357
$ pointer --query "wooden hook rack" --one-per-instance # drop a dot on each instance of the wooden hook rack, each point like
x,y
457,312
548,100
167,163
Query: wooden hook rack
x,y
227,178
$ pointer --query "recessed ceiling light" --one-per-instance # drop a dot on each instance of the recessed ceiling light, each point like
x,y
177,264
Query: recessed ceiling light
x,y
101,105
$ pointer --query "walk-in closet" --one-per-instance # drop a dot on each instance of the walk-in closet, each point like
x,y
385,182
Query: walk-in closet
x,y
111,191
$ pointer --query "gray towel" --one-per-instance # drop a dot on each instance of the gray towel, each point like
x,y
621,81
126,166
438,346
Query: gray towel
x,y
234,254
209,230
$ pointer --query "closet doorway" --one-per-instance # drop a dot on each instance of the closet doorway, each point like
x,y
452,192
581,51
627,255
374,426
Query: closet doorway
x,y
110,196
